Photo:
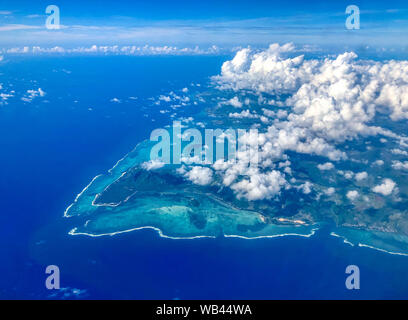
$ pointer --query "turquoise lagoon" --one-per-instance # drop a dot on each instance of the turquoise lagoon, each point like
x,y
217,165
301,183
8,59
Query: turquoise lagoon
x,y
162,201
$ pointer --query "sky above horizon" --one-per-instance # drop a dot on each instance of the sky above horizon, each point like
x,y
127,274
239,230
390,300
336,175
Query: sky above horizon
x,y
189,23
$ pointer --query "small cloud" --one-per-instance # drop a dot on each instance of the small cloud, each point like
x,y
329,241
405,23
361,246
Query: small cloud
x,y
32,16
386,188
31,94
12,27
325,166
379,162
330,191
361,176
164,98
306,187
152,165
200,175
392,10
399,165
352,195
115,100
235,102
5,96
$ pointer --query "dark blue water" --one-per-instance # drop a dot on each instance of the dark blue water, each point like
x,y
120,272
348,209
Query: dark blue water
x,y
51,150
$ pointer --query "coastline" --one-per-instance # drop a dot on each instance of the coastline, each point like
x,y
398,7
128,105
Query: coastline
x,y
112,177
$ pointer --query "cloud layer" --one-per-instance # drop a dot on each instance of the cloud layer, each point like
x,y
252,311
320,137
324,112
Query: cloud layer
x,y
323,103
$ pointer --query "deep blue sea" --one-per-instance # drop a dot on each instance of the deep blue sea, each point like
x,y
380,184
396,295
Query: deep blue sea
x,y
52,147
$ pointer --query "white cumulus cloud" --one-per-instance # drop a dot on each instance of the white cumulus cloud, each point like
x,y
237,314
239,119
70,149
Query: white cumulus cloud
x,y
152,165
200,175
386,188
352,195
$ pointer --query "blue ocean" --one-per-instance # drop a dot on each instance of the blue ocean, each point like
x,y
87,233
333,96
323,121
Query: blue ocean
x,y
53,147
